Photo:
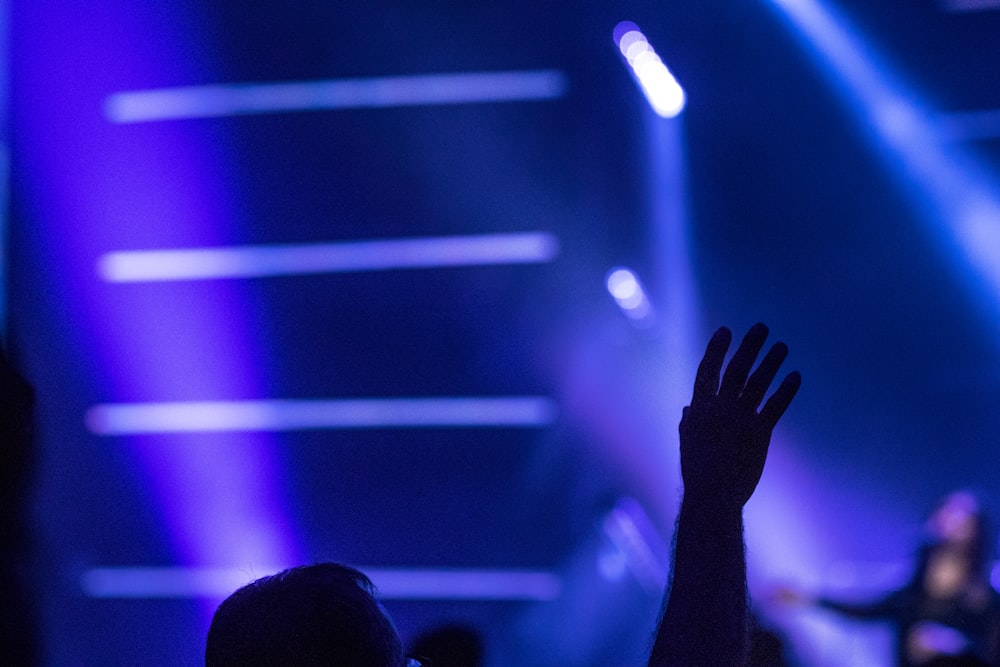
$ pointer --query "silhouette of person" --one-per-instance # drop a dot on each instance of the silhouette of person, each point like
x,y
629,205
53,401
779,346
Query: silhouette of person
x,y
309,616
18,634
947,610
724,438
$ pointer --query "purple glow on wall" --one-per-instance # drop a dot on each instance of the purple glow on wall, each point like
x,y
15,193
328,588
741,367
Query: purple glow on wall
x,y
98,187
622,402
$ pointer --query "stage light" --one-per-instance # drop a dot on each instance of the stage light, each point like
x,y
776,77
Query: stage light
x,y
237,99
630,296
254,261
655,80
624,287
393,584
294,415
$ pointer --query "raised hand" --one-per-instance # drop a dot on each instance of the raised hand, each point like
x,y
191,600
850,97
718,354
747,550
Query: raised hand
x,y
725,433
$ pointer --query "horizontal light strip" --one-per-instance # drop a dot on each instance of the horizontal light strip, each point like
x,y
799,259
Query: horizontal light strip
x,y
400,584
351,256
235,99
465,584
294,415
969,125
969,5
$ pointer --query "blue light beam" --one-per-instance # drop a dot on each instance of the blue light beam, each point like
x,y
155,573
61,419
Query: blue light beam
x,y
943,182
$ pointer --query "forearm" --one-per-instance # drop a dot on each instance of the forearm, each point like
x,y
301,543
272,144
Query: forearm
x,y
704,621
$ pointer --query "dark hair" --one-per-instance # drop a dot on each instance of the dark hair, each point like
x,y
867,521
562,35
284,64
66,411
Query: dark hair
x,y
309,616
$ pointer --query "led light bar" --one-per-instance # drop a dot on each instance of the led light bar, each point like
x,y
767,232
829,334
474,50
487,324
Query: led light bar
x,y
294,415
237,99
969,5
399,584
353,256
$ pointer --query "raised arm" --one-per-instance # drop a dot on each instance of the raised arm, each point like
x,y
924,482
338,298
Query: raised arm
x,y
724,436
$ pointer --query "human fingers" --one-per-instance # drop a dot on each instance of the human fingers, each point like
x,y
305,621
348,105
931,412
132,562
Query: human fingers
x,y
761,379
735,376
706,380
780,399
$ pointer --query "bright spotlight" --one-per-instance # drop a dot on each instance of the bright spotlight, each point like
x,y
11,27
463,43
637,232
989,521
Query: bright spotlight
x,y
628,293
659,86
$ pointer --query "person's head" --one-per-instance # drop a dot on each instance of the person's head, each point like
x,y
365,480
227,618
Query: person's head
x,y
324,614
957,551
958,520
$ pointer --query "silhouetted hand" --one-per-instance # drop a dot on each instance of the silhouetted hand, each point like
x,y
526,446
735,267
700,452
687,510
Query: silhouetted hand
x,y
724,438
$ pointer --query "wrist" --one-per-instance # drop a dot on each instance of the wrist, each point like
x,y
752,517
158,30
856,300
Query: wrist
x,y
716,500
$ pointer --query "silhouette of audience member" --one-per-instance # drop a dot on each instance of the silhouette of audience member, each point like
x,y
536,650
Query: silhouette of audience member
x,y
17,629
308,616
948,610
450,645
724,438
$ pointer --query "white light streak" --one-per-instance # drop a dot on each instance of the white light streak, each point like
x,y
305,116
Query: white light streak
x,y
294,415
658,84
400,584
254,261
236,99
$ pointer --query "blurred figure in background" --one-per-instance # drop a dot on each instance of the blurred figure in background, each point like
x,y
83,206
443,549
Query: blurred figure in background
x,y
948,612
